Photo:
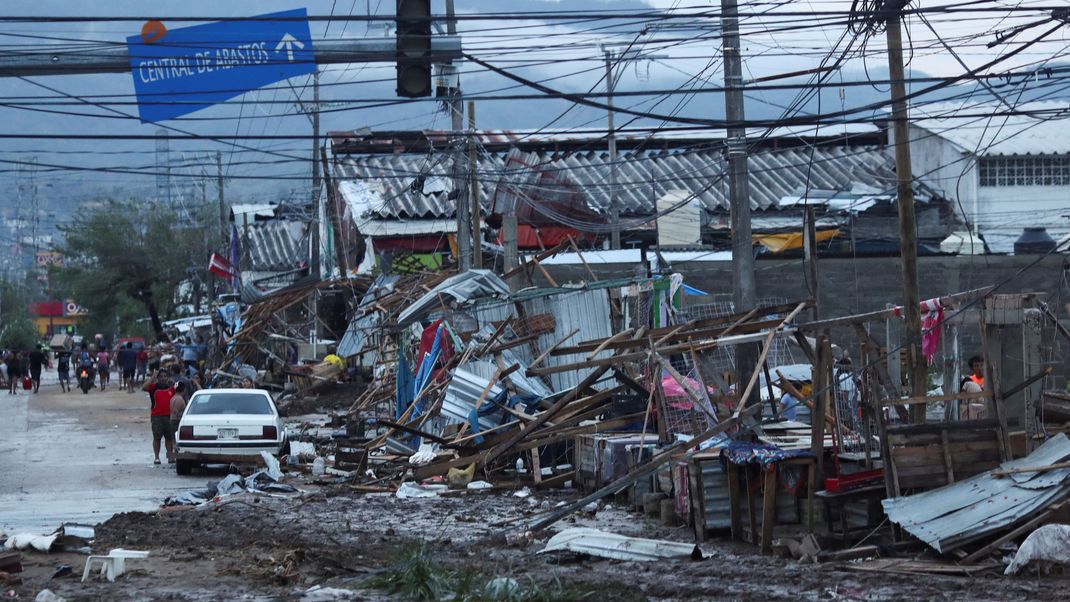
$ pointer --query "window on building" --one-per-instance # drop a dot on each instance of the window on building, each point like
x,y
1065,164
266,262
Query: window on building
x,y
1044,170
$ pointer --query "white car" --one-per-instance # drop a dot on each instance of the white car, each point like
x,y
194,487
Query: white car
x,y
228,425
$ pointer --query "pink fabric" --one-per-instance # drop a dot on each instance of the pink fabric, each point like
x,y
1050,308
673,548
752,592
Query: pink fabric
x,y
675,394
930,326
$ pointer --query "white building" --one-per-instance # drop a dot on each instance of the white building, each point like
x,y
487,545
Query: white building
x,y
1003,172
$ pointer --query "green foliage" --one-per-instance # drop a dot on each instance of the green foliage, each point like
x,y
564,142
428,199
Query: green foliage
x,y
415,575
16,326
123,257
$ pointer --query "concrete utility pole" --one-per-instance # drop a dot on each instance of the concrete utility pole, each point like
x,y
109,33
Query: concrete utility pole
x,y
222,204
116,59
744,293
614,209
464,232
908,230
315,110
473,189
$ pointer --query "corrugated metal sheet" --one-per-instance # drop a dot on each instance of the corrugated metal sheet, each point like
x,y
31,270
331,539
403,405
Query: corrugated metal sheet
x,y
415,186
462,394
716,506
593,542
1044,131
585,310
276,245
953,515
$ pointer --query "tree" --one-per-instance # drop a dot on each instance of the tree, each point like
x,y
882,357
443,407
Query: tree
x,y
17,329
123,252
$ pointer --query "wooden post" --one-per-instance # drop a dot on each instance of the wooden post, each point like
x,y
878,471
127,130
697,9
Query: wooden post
x,y
908,227
768,508
820,382
810,255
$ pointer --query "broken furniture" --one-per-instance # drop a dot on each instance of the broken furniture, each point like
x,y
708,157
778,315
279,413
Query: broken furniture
x,y
755,470
842,506
112,565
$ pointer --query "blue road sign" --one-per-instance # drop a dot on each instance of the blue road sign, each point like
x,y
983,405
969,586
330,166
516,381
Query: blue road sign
x,y
192,68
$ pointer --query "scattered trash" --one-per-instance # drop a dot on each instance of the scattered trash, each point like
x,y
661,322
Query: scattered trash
x,y
232,483
63,570
318,593
501,588
46,595
458,478
412,490
26,541
1050,544
425,455
273,469
319,466
525,492
610,545
479,485
302,450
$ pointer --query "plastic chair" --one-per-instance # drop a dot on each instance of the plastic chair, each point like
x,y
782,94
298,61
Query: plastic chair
x,y
112,565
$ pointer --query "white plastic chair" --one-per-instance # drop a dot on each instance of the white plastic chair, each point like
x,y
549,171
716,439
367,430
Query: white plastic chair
x,y
112,565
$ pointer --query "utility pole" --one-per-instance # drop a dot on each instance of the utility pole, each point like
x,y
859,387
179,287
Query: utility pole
x,y
464,232
473,189
314,163
614,209
317,227
744,294
222,203
810,255
908,232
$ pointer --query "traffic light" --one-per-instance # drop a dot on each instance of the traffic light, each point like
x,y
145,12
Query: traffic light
x,y
413,48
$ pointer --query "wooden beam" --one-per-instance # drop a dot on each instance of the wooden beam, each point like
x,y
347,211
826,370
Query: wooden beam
x,y
1022,530
1021,469
550,349
946,301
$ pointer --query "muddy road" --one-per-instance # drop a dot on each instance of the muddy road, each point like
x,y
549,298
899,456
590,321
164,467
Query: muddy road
x,y
69,457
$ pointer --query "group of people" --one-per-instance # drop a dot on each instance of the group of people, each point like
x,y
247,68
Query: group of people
x,y
18,365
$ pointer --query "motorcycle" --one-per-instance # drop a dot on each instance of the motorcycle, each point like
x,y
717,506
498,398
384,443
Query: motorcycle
x,y
85,378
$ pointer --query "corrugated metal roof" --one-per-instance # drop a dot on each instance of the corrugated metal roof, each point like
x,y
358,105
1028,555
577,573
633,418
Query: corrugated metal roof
x,y
1044,131
276,245
416,185
953,515
593,542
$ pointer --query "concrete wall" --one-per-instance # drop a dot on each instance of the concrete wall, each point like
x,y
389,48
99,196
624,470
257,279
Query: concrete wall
x,y
850,286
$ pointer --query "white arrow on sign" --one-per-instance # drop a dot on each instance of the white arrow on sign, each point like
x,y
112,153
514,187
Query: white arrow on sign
x,y
288,42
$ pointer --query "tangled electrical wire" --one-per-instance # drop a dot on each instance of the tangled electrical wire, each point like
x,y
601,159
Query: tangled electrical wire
x,y
868,17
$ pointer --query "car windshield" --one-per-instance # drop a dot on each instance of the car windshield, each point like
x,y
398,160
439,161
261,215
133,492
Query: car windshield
x,y
229,403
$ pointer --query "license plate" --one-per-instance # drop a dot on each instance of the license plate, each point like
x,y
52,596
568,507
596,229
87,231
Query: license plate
x,y
228,433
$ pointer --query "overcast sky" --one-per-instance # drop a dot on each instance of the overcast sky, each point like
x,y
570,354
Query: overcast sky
x,y
575,68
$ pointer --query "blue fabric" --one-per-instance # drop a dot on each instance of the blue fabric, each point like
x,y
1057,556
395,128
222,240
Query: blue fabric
x,y
405,382
742,452
791,407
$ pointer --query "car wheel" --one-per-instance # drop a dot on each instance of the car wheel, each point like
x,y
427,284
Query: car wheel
x,y
183,467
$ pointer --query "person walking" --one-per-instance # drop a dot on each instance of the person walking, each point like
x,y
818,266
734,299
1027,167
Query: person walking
x,y
160,392
63,370
14,371
142,365
178,406
104,367
37,361
127,361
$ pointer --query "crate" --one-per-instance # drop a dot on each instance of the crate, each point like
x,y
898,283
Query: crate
x,y
603,458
